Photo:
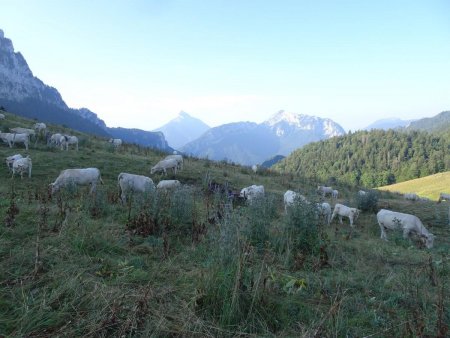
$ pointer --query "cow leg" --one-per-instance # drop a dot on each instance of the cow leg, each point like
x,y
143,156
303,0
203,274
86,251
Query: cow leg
x,y
383,232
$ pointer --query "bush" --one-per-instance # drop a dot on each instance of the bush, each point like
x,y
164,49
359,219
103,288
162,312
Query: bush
x,y
368,202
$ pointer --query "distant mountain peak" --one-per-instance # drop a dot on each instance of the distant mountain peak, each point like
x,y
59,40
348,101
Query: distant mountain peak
x,y
182,129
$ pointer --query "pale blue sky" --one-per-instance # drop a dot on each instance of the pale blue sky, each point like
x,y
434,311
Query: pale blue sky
x,y
138,63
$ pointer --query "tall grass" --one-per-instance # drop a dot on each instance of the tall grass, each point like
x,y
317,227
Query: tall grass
x,y
189,263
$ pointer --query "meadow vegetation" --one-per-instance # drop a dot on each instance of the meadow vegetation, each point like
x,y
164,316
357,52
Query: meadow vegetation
x,y
193,263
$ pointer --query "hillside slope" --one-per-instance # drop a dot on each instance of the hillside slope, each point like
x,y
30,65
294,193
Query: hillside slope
x,y
428,186
186,263
436,124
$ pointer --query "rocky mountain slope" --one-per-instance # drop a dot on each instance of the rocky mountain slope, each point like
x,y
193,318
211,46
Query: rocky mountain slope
x,y
24,94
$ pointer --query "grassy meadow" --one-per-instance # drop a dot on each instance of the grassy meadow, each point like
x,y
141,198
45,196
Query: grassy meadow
x,y
189,263
429,186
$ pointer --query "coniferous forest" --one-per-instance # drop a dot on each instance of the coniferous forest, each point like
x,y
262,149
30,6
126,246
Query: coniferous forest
x,y
372,158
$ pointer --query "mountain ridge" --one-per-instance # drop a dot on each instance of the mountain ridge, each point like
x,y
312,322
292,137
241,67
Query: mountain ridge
x,y
250,143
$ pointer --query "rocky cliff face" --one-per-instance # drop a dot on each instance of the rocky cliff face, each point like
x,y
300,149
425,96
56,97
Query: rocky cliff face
x,y
24,94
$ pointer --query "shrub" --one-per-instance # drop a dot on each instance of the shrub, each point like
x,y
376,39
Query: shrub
x,y
367,202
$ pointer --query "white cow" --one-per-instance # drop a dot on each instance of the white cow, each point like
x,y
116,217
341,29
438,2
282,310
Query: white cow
x,y
290,197
20,130
343,210
163,165
116,142
134,183
324,210
168,184
55,139
178,158
12,139
10,160
324,190
388,219
255,168
2,116
22,165
86,176
21,138
362,193
334,194
443,197
411,197
7,138
65,140
40,127
252,192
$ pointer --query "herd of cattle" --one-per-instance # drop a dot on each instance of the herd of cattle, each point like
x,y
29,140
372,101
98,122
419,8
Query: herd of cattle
x,y
132,183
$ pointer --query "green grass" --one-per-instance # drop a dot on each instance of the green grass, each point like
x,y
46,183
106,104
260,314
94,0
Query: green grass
x,y
78,267
429,187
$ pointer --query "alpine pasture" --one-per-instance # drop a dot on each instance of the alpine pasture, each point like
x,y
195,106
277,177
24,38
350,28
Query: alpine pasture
x,y
188,262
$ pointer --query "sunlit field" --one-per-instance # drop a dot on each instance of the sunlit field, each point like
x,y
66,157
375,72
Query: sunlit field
x,y
429,187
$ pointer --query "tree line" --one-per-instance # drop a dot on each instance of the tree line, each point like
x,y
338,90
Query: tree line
x,y
371,158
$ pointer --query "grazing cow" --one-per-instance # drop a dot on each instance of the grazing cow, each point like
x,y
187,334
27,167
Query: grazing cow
x,y
86,176
21,166
255,168
411,197
2,116
168,184
290,197
252,192
40,127
10,160
65,140
388,219
324,190
7,138
21,138
324,211
12,139
443,197
20,130
163,165
116,142
134,183
334,194
55,139
342,210
178,158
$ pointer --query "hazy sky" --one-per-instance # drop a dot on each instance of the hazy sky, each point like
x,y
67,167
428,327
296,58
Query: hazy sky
x,y
138,63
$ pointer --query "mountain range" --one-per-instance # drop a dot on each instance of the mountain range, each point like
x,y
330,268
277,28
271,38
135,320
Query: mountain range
x,y
24,94
250,143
